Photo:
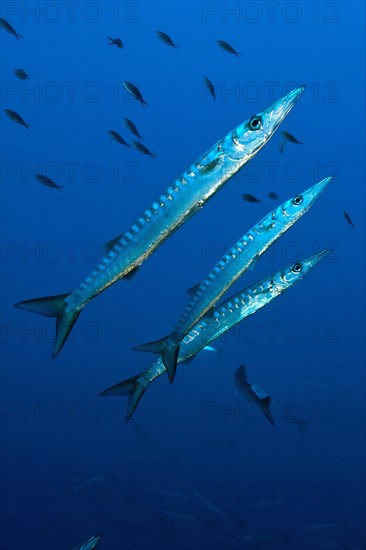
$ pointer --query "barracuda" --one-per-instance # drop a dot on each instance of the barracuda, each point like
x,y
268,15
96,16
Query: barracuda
x,y
181,200
234,263
225,316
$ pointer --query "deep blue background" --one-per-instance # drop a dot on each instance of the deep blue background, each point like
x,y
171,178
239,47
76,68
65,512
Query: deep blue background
x,y
67,476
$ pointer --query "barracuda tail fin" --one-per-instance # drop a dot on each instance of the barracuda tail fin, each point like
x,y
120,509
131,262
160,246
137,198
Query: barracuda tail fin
x,y
169,352
134,387
54,306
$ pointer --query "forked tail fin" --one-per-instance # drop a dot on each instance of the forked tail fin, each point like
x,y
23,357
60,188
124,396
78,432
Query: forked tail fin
x,y
54,306
134,387
169,353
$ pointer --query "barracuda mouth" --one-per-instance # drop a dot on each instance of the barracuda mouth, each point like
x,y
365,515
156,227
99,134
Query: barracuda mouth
x,y
281,108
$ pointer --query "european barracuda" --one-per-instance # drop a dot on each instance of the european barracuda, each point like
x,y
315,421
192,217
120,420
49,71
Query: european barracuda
x,y
181,200
234,263
210,327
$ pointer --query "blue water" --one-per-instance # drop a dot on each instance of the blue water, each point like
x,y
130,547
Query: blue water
x,y
71,466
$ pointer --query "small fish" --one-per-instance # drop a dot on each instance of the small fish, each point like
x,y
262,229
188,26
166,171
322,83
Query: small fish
x,y
210,87
318,526
166,39
115,42
348,219
273,195
217,508
282,146
261,538
130,125
167,492
45,180
20,73
88,544
135,92
226,46
252,393
8,28
291,138
118,138
17,118
251,198
141,147
209,348
88,483
319,384
211,505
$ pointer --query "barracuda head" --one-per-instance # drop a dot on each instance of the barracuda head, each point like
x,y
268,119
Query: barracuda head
x,y
294,273
254,133
293,209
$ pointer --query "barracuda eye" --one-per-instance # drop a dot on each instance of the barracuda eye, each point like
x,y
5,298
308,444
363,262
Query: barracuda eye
x,y
255,123
297,268
297,200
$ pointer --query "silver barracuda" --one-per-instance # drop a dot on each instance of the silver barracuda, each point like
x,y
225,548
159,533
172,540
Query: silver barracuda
x,y
234,263
210,327
181,200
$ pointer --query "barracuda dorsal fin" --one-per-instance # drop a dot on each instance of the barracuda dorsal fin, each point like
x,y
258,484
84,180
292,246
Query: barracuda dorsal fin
x,y
192,291
107,247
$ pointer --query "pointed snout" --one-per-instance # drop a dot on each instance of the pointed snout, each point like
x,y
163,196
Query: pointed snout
x,y
280,109
313,260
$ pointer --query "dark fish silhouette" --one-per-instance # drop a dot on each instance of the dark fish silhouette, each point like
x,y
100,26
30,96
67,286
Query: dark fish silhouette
x,y
348,219
117,137
226,46
252,393
135,92
273,195
4,24
45,180
166,39
282,145
251,198
20,73
115,42
141,147
210,87
17,118
289,137
130,125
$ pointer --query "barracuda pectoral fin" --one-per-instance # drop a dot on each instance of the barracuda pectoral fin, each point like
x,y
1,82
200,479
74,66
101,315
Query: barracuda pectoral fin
x,y
107,247
54,306
133,387
168,350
